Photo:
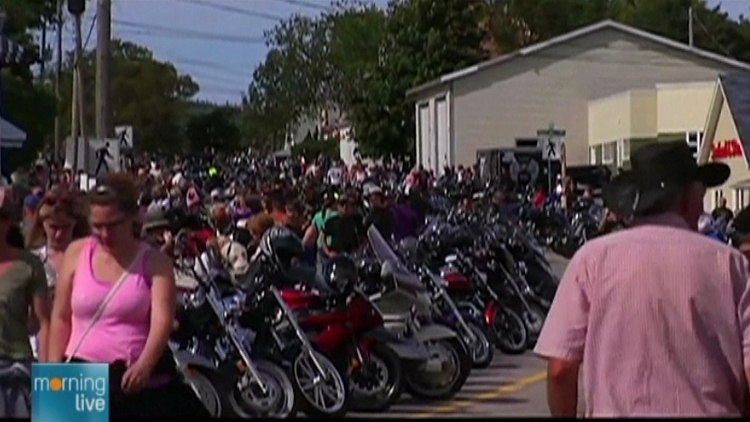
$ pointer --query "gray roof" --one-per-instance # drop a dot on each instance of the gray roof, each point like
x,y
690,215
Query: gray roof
x,y
587,30
736,88
10,135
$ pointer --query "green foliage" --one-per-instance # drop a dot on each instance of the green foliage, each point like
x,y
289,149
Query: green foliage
x,y
424,39
214,131
26,102
312,148
148,94
362,60
31,108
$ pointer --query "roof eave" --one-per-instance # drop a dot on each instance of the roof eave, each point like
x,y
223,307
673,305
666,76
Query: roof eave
x,y
449,77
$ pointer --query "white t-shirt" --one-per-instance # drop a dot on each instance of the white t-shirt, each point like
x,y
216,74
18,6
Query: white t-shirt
x,y
334,176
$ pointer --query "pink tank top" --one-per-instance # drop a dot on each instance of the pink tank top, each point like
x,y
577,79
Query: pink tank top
x,y
121,332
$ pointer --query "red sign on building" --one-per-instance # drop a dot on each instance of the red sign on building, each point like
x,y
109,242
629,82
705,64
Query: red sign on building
x,y
729,148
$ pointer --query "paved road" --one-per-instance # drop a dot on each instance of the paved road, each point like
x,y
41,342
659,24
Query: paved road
x,y
511,386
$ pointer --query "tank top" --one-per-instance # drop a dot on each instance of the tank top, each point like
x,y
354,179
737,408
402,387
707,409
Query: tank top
x,y
122,329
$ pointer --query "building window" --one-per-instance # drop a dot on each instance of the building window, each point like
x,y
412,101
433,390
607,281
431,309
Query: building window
x,y
694,140
609,151
592,156
527,143
718,195
740,196
623,151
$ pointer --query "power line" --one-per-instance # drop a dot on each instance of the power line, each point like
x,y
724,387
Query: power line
x,y
188,33
236,10
307,4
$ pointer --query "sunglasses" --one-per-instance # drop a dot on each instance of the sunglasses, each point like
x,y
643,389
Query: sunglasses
x,y
54,199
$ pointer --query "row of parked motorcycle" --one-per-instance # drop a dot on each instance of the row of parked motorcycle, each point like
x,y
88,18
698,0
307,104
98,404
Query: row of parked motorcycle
x,y
355,335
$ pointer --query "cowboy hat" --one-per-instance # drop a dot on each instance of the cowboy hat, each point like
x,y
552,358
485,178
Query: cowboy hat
x,y
658,171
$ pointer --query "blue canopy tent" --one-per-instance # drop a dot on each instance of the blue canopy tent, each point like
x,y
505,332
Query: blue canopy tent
x,y
10,135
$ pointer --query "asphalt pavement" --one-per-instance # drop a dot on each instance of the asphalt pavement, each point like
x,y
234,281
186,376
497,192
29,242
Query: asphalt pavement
x,y
511,386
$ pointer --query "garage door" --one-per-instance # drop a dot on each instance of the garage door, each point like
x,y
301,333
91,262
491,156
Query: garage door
x,y
441,134
425,144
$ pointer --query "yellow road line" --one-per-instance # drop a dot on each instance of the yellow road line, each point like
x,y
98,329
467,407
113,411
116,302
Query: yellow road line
x,y
490,395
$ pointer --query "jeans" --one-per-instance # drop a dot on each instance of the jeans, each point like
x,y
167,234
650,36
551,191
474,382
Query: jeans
x,y
15,389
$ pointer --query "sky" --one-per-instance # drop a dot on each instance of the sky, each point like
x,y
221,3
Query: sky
x,y
219,42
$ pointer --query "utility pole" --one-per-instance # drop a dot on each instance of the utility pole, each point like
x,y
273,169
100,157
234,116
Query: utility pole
x,y
43,49
104,128
77,7
690,26
58,75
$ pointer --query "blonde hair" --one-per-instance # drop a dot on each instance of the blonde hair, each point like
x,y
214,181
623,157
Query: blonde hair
x,y
57,203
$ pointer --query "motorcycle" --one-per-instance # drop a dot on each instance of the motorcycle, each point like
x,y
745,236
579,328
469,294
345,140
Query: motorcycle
x,y
507,329
406,308
319,382
464,319
208,326
346,327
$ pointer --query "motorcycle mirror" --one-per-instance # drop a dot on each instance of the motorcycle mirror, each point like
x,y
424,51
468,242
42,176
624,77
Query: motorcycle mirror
x,y
386,270
214,256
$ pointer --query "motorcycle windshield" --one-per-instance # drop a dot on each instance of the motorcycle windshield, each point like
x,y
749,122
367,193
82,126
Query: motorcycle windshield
x,y
384,253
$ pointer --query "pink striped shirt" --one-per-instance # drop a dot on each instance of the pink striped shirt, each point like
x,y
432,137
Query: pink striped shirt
x,y
660,318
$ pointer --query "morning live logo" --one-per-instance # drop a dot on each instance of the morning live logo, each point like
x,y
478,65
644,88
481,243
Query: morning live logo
x,y
70,392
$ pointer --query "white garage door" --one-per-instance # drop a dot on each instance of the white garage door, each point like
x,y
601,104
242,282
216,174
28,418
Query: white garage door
x,y
441,134
425,145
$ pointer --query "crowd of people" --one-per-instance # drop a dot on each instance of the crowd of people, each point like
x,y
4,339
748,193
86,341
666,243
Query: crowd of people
x,y
657,315
87,272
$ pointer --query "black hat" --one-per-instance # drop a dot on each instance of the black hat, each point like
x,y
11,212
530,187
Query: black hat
x,y
658,170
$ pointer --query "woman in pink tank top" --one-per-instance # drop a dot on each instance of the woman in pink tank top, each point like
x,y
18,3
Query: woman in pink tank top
x,y
132,332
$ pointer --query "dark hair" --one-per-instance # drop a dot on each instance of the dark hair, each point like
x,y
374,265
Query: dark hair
x,y
296,207
118,189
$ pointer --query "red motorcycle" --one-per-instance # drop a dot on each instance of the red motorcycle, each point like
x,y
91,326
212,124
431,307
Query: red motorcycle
x,y
343,324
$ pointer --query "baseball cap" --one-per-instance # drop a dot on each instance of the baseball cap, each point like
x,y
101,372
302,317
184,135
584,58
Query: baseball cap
x,y
32,201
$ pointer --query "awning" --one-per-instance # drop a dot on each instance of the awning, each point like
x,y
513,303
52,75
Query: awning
x,y
742,184
11,136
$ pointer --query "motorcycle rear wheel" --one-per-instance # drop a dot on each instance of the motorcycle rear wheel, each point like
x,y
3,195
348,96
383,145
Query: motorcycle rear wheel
x,y
390,371
462,360
511,334
280,401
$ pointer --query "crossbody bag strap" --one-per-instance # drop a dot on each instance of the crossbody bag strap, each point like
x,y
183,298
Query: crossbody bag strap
x,y
107,299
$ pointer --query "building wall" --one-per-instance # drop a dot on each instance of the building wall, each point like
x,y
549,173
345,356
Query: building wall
x,y
625,121
683,107
736,198
513,100
627,115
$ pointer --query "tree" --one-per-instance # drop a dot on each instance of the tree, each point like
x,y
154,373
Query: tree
x,y
355,33
26,102
424,39
313,63
270,107
516,24
148,94
215,131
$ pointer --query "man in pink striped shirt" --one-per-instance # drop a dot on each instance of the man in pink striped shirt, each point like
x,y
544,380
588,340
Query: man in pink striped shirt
x,y
657,315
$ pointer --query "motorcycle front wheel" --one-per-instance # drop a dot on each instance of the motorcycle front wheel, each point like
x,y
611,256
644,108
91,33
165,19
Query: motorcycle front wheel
x,y
211,389
378,382
482,350
456,364
325,394
279,400
511,334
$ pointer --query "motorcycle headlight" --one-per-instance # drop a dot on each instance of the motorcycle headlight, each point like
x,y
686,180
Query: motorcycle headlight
x,y
342,273
197,298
